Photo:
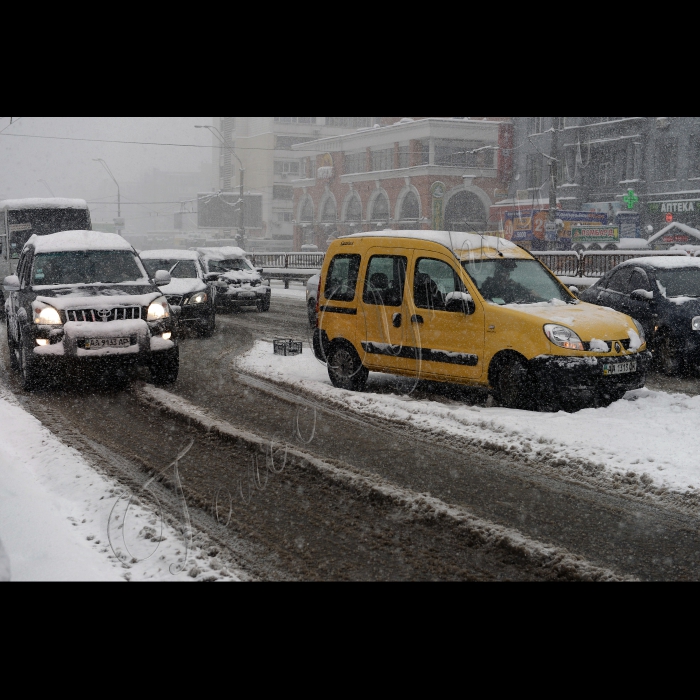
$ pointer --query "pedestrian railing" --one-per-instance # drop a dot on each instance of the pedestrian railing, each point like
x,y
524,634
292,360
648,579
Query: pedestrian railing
x,y
289,261
594,264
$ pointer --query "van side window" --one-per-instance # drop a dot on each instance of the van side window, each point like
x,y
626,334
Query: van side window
x,y
385,280
433,281
341,281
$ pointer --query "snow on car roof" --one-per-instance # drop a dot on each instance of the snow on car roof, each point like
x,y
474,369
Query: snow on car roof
x,y
222,253
462,244
18,204
170,255
677,262
78,240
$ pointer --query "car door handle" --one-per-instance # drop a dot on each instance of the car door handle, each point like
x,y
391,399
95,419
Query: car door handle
x,y
397,320
417,319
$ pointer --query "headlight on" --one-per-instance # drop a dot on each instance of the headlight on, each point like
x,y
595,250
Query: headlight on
x,y
696,323
46,316
158,310
563,337
200,298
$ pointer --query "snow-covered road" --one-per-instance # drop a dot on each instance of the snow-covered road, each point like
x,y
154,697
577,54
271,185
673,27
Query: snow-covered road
x,y
649,436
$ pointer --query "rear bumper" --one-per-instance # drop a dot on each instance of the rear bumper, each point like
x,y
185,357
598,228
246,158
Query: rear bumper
x,y
587,374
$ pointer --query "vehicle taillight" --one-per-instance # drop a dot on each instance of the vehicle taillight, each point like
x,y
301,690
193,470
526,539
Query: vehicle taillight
x,y
318,304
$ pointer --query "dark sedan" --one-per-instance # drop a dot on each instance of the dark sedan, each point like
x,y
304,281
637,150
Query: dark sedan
x,y
663,295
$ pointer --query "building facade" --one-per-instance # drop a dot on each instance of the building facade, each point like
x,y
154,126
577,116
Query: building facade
x,y
265,147
411,173
600,159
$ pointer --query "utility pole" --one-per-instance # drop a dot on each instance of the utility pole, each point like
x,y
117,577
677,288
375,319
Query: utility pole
x,y
554,174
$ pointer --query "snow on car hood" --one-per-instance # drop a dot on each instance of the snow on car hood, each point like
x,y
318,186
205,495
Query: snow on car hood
x,y
180,287
587,320
242,276
93,297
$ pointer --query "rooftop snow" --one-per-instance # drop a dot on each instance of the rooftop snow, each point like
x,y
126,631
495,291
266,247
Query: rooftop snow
x,y
679,262
222,253
170,255
78,240
18,204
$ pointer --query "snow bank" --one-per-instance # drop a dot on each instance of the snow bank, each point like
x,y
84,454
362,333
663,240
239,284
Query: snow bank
x,y
58,515
652,435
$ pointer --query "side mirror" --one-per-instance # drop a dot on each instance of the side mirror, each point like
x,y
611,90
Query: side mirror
x,y
11,284
220,285
163,278
211,277
260,270
575,291
460,303
642,295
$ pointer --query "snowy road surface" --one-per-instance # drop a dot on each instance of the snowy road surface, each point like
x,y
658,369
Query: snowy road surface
x,y
299,525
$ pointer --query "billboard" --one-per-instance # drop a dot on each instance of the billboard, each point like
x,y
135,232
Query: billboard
x,y
595,234
531,226
222,210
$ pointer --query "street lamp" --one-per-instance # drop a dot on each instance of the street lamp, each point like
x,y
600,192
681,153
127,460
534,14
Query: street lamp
x,y
119,222
230,147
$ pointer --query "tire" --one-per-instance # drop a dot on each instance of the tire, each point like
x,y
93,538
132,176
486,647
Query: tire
x,y
267,303
209,330
30,377
513,385
667,356
14,359
165,368
345,368
311,310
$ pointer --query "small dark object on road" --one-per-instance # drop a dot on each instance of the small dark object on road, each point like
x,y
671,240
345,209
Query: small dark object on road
x,y
288,348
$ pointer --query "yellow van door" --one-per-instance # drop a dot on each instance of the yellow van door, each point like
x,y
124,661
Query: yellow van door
x,y
385,310
448,342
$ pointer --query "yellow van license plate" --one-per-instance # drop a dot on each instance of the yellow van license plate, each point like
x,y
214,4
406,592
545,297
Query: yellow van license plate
x,y
622,368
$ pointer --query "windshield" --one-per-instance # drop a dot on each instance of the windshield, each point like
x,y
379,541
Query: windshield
x,y
179,269
679,283
87,267
515,282
238,265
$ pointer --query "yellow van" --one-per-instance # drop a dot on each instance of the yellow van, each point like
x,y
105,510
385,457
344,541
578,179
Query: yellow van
x,y
472,310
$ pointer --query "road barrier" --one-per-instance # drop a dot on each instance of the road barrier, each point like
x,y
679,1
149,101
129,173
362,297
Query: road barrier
x,y
287,261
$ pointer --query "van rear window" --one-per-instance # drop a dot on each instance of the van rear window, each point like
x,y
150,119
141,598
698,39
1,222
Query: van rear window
x,y
341,281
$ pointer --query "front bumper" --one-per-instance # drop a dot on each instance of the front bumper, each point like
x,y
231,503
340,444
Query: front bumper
x,y
586,374
193,314
236,296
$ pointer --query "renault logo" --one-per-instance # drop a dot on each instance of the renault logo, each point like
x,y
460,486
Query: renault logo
x,y
618,348
104,314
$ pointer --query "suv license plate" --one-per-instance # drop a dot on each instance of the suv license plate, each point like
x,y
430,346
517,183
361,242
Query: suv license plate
x,y
622,368
102,343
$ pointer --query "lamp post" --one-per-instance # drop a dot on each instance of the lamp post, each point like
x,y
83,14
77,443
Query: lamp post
x,y
230,147
119,223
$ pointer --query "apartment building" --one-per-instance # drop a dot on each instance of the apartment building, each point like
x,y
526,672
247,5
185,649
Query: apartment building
x,y
265,146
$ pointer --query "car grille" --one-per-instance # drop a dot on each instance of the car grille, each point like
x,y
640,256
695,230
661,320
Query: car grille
x,y
626,344
132,313
174,300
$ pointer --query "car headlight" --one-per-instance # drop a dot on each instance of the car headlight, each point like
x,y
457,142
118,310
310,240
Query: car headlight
x,y
640,331
46,315
563,337
696,323
158,310
200,298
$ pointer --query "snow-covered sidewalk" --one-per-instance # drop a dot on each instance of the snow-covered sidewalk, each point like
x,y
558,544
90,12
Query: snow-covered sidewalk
x,y
650,437
57,515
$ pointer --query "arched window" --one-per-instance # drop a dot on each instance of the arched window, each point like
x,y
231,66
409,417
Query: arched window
x,y
353,213
380,209
410,208
329,215
307,212
465,213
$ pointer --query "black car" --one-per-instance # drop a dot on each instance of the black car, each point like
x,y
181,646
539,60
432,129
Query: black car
x,y
83,300
192,299
663,295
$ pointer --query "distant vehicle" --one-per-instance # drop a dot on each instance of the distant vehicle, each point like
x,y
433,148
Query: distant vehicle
x,y
471,310
20,219
663,295
312,299
244,284
82,300
309,248
192,299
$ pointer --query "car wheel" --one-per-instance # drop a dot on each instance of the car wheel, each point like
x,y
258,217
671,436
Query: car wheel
x,y
11,346
311,309
512,385
29,373
345,368
667,357
267,303
165,368
210,328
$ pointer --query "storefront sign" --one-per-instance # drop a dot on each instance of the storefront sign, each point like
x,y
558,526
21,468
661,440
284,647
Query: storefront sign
x,y
677,239
685,207
595,234
15,228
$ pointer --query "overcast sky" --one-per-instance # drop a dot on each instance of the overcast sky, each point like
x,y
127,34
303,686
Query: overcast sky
x,y
67,166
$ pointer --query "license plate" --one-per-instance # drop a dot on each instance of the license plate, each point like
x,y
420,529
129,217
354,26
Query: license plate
x,y
621,368
102,343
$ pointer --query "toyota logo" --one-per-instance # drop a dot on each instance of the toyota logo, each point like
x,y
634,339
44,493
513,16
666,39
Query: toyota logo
x,y
104,314
618,348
